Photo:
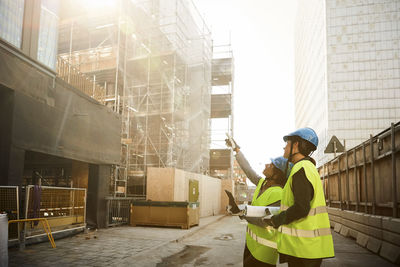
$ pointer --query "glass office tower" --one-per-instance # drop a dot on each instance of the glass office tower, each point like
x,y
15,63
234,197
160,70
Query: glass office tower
x,y
347,69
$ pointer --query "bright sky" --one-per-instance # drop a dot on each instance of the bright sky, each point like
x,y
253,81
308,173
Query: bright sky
x,y
262,39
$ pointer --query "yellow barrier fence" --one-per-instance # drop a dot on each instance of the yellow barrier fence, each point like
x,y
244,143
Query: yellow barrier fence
x,y
45,224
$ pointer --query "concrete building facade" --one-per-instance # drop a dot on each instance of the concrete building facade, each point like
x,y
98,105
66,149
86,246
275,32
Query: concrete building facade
x,y
347,69
52,134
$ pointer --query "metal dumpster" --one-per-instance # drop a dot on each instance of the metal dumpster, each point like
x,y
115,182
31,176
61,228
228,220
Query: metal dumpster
x,y
165,213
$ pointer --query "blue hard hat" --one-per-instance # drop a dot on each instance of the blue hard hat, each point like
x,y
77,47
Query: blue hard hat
x,y
306,134
280,163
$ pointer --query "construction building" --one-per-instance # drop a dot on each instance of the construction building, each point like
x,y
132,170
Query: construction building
x,y
93,94
51,133
221,158
154,61
347,70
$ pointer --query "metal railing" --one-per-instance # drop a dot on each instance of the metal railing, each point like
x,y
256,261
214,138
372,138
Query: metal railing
x,y
365,178
118,210
80,81
60,208
9,203
64,208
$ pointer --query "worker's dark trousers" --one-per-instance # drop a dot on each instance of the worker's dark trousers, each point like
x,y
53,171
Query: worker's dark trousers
x,y
250,261
299,262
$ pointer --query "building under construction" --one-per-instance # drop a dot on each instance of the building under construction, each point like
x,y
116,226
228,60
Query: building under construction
x,y
152,63
221,158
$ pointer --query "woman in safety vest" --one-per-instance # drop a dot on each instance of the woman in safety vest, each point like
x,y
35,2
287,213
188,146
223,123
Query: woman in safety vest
x,y
304,230
260,248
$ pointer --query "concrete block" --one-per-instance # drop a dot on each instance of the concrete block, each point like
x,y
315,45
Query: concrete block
x,y
374,244
368,230
359,227
344,231
334,211
353,233
362,239
366,218
332,223
375,221
358,217
375,232
391,224
350,224
348,214
390,252
335,218
337,228
391,237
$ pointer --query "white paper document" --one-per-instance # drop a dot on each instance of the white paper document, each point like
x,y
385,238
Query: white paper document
x,y
260,211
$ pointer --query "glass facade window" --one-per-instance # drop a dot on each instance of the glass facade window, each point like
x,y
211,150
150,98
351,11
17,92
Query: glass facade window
x,y
361,65
48,33
310,71
11,19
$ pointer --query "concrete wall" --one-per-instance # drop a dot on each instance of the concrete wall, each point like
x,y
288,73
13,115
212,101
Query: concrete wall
x,y
52,117
97,191
80,174
170,184
379,234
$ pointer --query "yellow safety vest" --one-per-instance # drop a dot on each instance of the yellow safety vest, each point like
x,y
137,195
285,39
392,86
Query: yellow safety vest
x,y
261,242
309,237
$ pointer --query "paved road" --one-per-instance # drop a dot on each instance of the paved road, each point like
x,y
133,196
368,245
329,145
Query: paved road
x,y
222,244
219,244
349,254
219,241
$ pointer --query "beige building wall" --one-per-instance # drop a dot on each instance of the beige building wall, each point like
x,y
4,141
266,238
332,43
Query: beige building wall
x,y
170,184
160,184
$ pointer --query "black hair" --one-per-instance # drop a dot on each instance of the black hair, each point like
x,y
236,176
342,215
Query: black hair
x,y
305,147
279,176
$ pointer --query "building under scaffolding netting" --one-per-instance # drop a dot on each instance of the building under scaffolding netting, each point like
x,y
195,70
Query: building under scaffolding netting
x,y
152,59
221,158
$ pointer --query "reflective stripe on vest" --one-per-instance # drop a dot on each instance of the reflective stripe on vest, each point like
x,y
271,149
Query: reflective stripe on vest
x,y
309,237
260,240
304,233
312,212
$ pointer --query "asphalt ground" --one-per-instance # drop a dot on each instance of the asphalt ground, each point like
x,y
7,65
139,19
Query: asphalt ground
x,y
217,241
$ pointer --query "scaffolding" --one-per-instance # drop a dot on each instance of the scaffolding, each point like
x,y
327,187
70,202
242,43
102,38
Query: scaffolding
x,y
153,60
221,158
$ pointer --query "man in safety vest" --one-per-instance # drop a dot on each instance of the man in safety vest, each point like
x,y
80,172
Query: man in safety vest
x,y
304,230
260,249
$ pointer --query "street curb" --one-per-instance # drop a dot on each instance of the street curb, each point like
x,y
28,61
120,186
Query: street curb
x,y
195,230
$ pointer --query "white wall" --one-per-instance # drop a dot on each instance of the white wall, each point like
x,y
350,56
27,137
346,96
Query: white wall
x,y
210,196
209,191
